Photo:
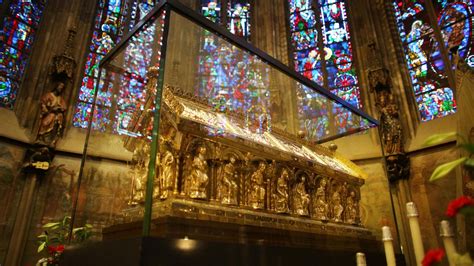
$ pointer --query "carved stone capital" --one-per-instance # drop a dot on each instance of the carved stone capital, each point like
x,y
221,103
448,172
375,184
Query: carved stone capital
x,y
398,167
38,160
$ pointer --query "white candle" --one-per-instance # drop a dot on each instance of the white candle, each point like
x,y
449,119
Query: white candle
x,y
412,214
448,240
360,259
388,246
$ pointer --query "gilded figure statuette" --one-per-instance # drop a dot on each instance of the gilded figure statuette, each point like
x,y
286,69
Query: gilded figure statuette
x,y
198,178
227,183
337,208
281,193
320,208
351,209
168,172
257,188
301,198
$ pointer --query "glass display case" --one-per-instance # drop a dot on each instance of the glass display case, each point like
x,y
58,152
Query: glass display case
x,y
214,140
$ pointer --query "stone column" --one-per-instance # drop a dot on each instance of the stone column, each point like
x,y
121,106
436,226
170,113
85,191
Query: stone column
x,y
397,163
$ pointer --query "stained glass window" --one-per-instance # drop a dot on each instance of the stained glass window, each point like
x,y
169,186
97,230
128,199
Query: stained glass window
x,y
238,13
113,110
322,52
232,81
16,38
425,62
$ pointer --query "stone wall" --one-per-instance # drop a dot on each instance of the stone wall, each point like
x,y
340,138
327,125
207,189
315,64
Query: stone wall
x,y
11,184
432,198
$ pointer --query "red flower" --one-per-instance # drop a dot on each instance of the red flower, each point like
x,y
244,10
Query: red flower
x,y
458,204
56,249
432,256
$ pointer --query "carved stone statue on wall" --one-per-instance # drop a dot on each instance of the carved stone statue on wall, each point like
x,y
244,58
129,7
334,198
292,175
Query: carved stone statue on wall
x,y
337,208
391,129
280,198
53,108
227,183
198,178
398,163
321,208
301,198
351,209
168,171
257,187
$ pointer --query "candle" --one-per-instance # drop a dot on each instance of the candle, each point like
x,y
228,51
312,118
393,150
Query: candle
x,y
448,240
388,246
412,214
360,258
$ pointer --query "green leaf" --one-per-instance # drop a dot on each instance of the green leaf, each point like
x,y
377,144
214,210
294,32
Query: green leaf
x,y
467,211
66,220
43,236
445,168
41,247
78,229
468,147
469,163
51,225
438,138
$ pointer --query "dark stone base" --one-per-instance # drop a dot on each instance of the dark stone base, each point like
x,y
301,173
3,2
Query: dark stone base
x,y
181,241
174,252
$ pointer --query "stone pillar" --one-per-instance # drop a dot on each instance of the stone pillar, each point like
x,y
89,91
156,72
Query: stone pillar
x,y
22,221
397,163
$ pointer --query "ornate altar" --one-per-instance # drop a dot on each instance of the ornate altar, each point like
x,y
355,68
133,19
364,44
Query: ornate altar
x,y
224,151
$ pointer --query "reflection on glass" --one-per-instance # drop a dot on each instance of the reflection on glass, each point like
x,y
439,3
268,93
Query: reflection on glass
x,y
339,72
110,24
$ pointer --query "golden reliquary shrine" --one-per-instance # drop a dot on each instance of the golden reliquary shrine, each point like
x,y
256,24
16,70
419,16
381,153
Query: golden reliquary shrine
x,y
211,162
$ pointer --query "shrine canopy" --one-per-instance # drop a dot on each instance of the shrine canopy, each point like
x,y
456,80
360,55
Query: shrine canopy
x,y
174,47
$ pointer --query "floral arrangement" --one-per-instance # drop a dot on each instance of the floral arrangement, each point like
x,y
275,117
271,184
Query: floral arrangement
x,y
53,240
464,205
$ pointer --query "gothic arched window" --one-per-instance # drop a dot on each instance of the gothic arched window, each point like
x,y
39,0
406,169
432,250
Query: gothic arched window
x,y
422,26
112,19
322,52
16,38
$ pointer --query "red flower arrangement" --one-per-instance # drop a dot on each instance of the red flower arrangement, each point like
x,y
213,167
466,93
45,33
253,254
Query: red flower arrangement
x,y
432,256
458,205
55,249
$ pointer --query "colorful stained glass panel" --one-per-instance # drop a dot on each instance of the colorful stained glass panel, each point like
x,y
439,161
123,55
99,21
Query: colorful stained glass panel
x,y
16,39
338,53
435,104
238,13
29,11
211,9
301,20
339,73
333,14
299,5
426,66
304,39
